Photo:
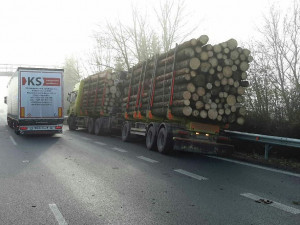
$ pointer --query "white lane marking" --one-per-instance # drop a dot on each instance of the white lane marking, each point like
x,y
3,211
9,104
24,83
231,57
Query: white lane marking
x,y
85,138
273,204
13,140
25,161
256,166
147,159
119,149
99,143
190,174
58,216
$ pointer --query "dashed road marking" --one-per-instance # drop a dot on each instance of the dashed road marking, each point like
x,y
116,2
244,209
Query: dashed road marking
x,y
99,143
256,166
147,159
273,204
58,216
119,149
13,140
195,176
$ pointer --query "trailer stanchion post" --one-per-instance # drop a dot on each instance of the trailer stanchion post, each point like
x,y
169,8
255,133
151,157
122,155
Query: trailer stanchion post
x,y
267,149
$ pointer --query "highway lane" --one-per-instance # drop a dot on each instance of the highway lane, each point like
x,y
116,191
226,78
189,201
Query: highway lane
x,y
101,180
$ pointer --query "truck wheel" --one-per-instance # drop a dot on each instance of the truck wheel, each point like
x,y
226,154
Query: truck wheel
x,y
99,126
8,122
164,141
16,128
151,138
126,132
72,123
17,132
91,126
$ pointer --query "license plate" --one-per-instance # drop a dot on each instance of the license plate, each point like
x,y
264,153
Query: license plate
x,y
41,128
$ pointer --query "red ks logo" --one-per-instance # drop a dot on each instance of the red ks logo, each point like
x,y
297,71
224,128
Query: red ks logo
x,y
38,81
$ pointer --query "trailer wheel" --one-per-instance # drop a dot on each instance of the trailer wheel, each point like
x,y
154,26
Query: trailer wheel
x,y
8,122
164,141
151,138
17,131
91,126
126,132
72,123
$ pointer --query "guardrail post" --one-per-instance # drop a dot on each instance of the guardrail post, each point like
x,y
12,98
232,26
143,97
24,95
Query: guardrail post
x,y
267,149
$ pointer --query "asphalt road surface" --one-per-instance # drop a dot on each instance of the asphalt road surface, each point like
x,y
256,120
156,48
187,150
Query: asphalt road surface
x,y
78,178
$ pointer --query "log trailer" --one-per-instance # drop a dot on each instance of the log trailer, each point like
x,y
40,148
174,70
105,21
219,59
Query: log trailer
x,y
150,108
161,133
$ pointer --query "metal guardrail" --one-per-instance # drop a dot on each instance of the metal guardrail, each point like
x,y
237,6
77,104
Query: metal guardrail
x,y
268,141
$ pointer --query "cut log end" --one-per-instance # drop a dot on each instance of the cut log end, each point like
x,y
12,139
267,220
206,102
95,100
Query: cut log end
x,y
194,63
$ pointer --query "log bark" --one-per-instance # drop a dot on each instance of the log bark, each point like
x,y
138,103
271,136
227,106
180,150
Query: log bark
x,y
185,95
182,111
166,76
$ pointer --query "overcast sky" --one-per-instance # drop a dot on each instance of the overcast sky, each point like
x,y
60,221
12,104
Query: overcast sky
x,y
44,32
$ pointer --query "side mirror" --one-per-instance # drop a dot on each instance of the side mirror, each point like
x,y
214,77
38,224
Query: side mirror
x,y
68,98
5,99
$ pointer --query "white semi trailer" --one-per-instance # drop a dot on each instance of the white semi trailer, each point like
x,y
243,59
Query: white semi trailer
x,y
35,101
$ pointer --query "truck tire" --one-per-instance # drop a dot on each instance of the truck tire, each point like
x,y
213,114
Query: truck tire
x,y
151,138
91,126
99,126
126,132
17,131
9,122
72,123
164,141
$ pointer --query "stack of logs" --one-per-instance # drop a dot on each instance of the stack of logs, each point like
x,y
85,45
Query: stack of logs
x,y
101,94
209,84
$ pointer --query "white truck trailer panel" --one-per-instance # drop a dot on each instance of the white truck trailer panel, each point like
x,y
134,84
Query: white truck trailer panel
x,y
41,94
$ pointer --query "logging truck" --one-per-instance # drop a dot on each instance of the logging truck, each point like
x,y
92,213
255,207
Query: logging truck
x,y
181,99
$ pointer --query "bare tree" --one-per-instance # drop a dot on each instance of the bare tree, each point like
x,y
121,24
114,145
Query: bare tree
x,y
120,37
128,44
277,62
140,35
102,55
173,23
